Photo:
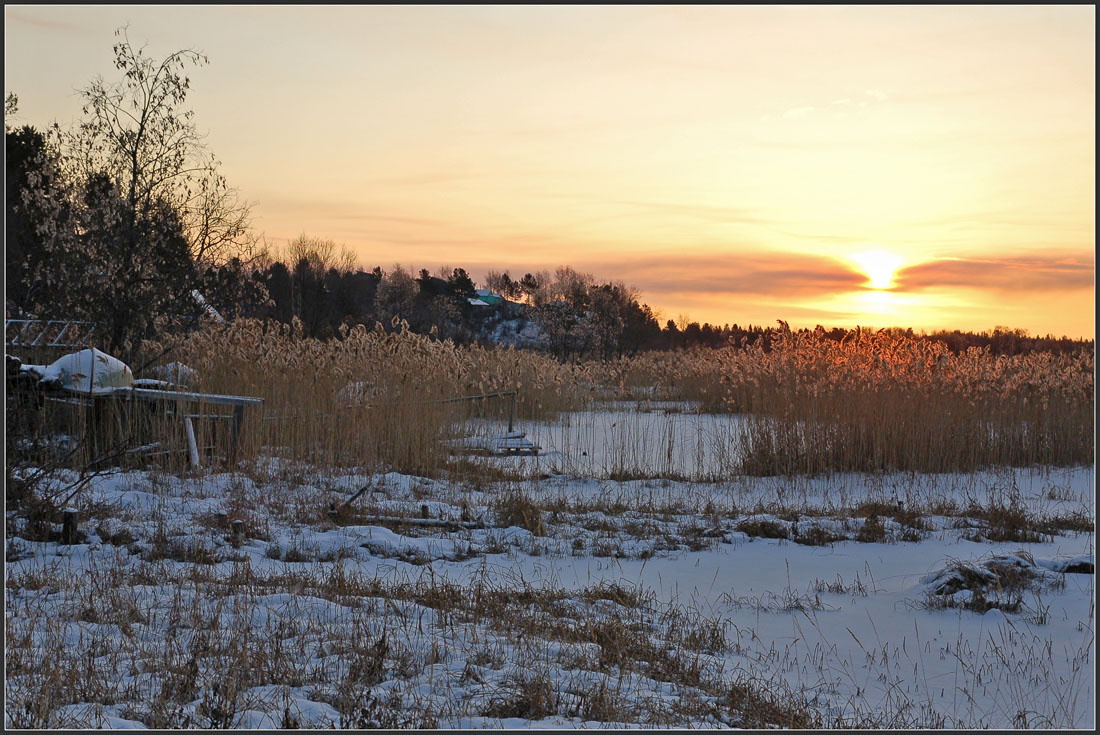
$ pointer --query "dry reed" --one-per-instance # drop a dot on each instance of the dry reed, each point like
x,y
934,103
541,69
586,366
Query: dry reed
x,y
375,399
879,401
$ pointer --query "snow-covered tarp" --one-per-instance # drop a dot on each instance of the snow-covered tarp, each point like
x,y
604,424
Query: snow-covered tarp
x,y
176,373
209,310
88,371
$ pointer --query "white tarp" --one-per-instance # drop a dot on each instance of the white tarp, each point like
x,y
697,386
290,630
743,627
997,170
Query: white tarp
x,y
176,373
207,308
88,371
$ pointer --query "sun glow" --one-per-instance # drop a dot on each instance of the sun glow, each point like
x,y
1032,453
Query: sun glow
x,y
880,266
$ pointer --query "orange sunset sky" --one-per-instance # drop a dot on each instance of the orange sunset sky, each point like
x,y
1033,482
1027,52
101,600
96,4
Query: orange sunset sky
x,y
931,167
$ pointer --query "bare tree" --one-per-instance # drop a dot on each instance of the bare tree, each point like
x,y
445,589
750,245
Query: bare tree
x,y
129,203
320,255
137,131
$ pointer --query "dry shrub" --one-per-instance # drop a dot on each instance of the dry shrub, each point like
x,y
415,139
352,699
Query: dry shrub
x,y
516,509
526,697
763,529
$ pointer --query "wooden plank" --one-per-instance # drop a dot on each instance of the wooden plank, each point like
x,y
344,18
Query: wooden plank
x,y
153,394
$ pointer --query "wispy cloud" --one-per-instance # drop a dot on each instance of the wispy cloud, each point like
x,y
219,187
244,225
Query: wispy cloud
x,y
775,275
796,112
1040,272
710,213
838,106
40,22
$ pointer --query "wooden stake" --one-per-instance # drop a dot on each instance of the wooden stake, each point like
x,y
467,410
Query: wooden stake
x,y
68,528
192,445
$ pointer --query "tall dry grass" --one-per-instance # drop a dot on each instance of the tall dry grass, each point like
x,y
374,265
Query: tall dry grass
x,y
810,405
881,401
372,398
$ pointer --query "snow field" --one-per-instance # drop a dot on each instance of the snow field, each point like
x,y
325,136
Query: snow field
x,y
648,602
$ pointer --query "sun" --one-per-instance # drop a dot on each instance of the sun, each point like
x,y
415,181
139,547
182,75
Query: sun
x,y
880,266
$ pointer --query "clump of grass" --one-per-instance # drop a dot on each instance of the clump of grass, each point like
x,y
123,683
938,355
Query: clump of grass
x,y
999,582
181,546
1012,521
838,587
757,705
815,536
529,697
620,594
907,516
763,529
118,537
517,509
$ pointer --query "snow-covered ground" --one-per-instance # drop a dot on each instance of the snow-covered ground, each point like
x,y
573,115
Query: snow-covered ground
x,y
561,600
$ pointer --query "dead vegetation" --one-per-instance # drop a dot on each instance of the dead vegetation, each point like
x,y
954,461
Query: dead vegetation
x,y
880,401
809,405
999,582
205,664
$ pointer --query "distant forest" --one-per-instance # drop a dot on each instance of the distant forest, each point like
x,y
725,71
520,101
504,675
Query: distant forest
x,y
577,315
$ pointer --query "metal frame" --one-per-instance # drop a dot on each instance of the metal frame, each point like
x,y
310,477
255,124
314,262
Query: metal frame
x,y
44,329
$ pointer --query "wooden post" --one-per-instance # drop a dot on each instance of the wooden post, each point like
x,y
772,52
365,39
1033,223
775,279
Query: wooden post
x,y
68,528
238,533
97,425
235,436
126,416
423,511
511,411
192,445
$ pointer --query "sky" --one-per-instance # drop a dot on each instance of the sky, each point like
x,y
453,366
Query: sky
x,y
914,166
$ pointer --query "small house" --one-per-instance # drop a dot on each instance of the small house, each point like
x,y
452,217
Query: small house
x,y
489,298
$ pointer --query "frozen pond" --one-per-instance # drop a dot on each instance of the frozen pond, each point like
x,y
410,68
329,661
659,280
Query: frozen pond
x,y
627,440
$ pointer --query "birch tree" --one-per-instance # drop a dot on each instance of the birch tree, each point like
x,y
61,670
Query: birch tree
x,y
131,206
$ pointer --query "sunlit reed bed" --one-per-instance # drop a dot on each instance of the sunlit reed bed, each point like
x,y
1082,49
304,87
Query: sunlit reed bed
x,y
808,405
881,402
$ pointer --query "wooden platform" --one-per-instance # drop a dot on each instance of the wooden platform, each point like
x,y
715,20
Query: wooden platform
x,y
513,443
